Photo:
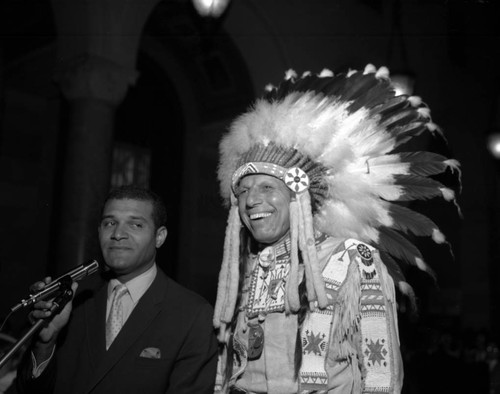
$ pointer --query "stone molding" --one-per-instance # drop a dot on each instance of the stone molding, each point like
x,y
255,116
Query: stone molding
x,y
94,77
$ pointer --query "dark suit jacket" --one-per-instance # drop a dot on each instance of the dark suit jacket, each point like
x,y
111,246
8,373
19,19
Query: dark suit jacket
x,y
168,317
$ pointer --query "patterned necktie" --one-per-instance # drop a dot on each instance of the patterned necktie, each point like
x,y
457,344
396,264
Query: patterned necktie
x,y
115,318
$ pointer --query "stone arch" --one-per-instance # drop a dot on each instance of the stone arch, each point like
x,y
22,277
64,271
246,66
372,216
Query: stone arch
x,y
203,80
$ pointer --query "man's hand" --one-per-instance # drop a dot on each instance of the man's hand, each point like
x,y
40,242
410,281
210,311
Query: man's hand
x,y
47,336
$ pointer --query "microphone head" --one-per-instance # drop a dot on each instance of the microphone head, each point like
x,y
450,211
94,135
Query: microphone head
x,y
73,275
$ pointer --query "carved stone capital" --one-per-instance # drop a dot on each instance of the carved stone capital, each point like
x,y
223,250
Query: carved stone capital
x,y
94,77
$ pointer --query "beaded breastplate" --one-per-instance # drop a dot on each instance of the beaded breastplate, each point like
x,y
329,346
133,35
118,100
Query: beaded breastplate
x,y
268,280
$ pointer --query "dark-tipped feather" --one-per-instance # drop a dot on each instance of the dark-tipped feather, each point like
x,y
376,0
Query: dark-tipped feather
x,y
392,105
417,187
407,132
400,118
392,266
407,220
360,86
398,246
424,163
377,95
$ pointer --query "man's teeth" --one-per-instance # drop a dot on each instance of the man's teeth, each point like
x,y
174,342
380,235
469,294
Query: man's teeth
x,y
254,216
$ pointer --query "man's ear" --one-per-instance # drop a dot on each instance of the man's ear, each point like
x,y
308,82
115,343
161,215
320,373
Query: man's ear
x,y
161,236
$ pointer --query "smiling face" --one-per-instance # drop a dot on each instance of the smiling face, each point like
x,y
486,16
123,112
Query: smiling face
x,y
264,207
128,237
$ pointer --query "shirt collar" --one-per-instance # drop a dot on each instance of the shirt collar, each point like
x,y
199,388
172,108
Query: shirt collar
x,y
138,285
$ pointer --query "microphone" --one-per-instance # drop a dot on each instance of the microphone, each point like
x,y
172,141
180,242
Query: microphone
x,y
75,274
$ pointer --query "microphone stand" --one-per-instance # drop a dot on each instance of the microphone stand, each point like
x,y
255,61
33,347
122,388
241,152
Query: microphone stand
x,y
57,305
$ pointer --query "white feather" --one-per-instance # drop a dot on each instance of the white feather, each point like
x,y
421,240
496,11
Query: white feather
x,y
447,193
382,73
325,73
351,72
405,288
421,264
346,224
369,69
432,126
425,112
269,87
438,236
415,101
289,74
454,165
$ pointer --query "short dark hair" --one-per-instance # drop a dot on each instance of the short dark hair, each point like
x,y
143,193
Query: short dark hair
x,y
133,192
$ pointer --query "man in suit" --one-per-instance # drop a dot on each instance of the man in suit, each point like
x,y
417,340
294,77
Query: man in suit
x,y
149,336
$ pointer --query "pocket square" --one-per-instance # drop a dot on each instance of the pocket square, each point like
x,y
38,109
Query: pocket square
x,y
151,352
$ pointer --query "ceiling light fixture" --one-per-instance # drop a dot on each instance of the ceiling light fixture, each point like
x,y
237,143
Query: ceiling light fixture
x,y
210,8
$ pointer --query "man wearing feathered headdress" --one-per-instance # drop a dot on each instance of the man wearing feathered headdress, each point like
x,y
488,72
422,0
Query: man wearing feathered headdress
x,y
306,299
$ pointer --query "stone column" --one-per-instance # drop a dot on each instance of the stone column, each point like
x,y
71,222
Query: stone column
x,y
94,86
97,42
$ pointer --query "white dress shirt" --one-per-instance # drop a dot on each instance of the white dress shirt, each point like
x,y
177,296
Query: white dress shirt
x,y
136,288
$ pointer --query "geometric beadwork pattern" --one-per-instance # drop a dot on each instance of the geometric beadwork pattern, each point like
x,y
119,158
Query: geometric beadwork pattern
x,y
267,290
315,336
375,352
267,285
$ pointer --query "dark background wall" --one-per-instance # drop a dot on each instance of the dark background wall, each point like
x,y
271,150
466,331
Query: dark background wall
x,y
195,75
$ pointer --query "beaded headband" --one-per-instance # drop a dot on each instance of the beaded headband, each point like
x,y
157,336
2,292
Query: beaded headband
x,y
296,179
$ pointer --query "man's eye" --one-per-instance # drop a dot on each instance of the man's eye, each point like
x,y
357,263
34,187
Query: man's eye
x,y
108,223
137,225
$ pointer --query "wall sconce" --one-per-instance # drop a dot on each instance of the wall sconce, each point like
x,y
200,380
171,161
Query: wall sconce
x,y
402,79
210,8
493,134
494,144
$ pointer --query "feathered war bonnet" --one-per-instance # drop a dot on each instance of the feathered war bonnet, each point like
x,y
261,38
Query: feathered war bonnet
x,y
332,140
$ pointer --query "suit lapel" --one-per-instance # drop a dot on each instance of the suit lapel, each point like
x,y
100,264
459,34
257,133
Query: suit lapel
x,y
139,320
